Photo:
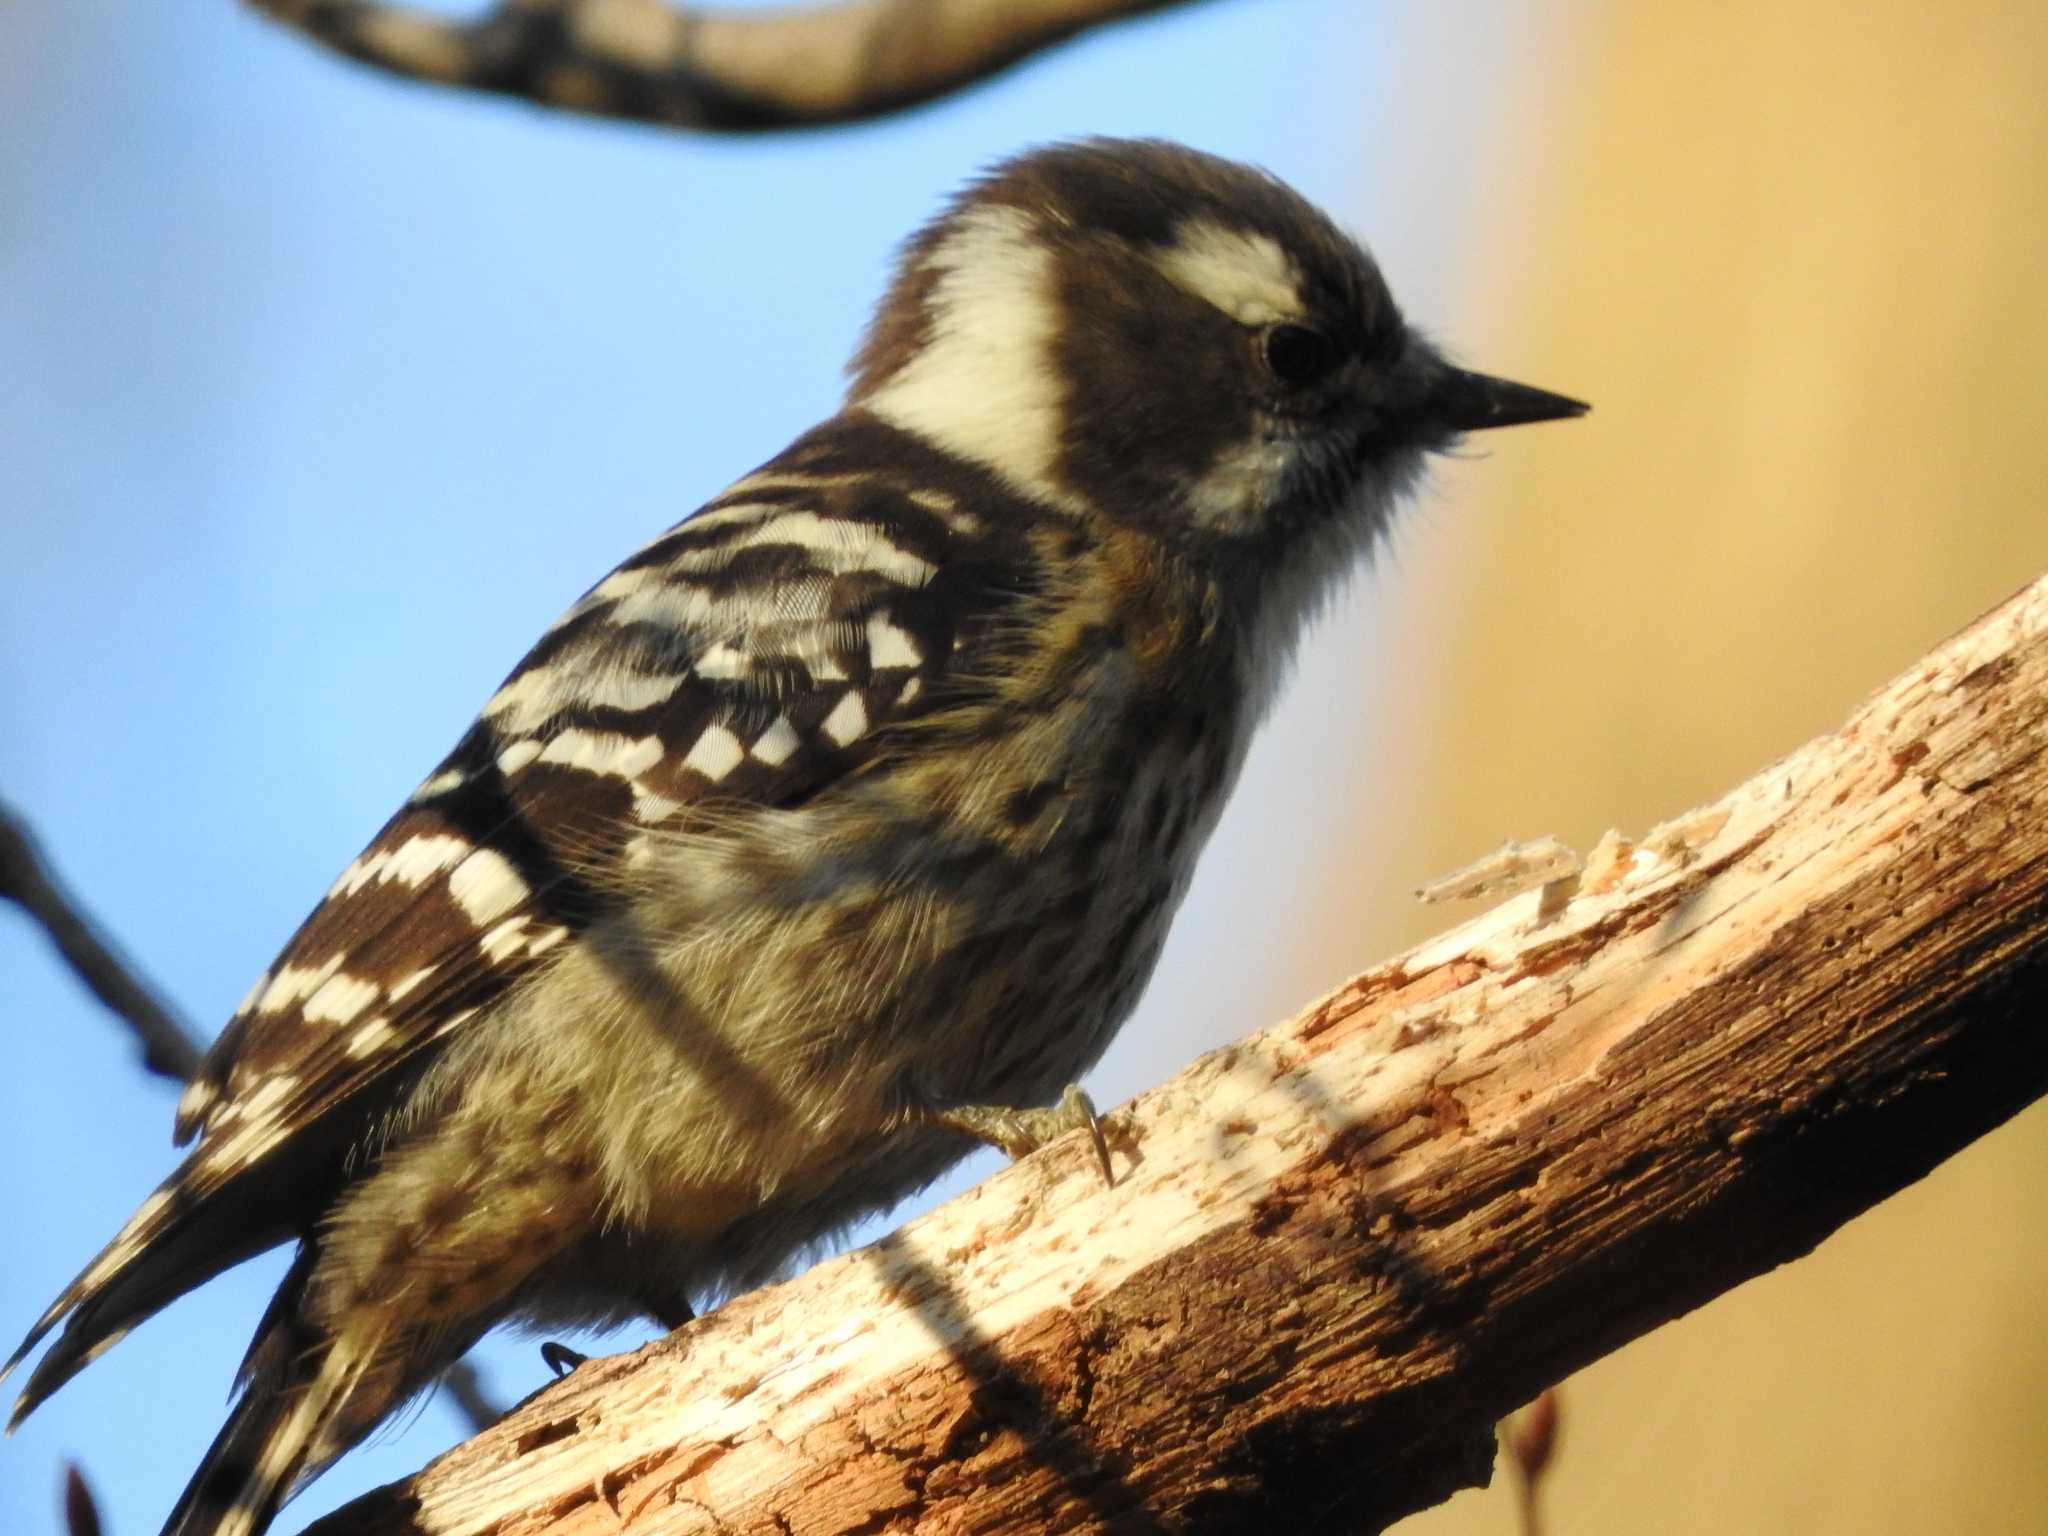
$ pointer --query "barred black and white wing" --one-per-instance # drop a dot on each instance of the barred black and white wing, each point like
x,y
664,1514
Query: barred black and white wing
x,y
755,653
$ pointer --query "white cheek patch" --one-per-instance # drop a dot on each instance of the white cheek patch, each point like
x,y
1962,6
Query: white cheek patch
x,y
984,384
1241,484
1246,275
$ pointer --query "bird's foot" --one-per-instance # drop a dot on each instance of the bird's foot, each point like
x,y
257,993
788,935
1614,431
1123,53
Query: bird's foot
x,y
1020,1132
560,1358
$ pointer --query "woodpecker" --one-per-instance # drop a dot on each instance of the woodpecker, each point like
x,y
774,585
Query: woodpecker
x,y
837,827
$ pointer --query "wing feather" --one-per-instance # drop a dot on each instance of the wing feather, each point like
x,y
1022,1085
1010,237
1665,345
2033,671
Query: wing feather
x,y
752,654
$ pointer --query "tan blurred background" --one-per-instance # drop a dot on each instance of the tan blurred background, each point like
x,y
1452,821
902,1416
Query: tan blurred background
x,y
1795,254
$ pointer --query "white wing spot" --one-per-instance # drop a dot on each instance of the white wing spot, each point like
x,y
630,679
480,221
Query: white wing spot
x,y
634,690
955,516
147,1212
604,752
841,546
899,565
648,806
107,1264
506,940
102,1346
517,756
672,605
197,1101
723,662
270,1093
715,753
412,862
889,646
370,1036
848,721
775,744
423,857
827,536
439,784
735,512
529,698
486,886
405,987
339,999
251,1146
624,584
293,982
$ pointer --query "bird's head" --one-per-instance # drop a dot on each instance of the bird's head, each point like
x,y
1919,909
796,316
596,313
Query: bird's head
x,y
1168,339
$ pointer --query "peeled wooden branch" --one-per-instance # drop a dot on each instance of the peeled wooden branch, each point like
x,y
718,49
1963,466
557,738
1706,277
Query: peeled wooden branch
x,y
690,67
1338,1251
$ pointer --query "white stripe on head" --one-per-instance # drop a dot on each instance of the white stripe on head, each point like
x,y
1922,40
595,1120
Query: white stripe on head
x,y
1246,275
983,384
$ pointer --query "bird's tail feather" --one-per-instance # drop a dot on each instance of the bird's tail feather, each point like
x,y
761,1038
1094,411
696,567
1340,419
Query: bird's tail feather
x,y
290,1421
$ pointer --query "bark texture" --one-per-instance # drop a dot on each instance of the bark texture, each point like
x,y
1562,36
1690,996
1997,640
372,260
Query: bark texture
x,y
1338,1251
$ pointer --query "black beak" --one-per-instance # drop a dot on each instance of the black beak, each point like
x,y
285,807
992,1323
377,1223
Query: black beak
x,y
1435,402
1457,401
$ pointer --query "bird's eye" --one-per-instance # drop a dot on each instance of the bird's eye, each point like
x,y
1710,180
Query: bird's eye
x,y
1296,354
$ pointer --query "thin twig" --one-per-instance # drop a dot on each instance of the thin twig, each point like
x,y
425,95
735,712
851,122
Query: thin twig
x,y
713,70
169,1049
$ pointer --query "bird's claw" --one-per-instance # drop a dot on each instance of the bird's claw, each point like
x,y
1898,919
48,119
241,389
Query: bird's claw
x,y
1020,1132
560,1358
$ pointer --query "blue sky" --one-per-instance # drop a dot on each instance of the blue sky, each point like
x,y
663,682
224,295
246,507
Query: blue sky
x,y
324,394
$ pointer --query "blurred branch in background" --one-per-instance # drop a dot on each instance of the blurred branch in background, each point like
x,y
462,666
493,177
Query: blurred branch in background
x,y
169,1048
1341,1248
688,67
81,1511
1530,1440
